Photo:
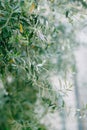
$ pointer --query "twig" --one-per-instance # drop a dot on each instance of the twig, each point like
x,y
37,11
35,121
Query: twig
x,y
7,21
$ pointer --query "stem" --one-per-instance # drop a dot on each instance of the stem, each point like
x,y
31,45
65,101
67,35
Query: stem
x,y
7,21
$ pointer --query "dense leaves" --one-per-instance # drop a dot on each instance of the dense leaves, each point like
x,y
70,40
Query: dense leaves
x,y
31,38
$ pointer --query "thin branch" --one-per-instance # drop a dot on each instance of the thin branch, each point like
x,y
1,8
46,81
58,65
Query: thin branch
x,y
7,21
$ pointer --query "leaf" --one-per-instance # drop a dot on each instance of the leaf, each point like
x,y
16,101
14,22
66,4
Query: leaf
x,y
1,15
52,0
67,13
11,61
32,7
21,28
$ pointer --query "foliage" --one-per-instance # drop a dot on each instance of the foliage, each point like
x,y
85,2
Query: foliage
x,y
30,40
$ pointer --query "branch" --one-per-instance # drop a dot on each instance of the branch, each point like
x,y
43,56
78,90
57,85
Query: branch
x,y
7,21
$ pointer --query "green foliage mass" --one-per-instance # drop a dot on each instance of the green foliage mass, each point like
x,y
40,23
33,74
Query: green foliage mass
x,y
29,41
